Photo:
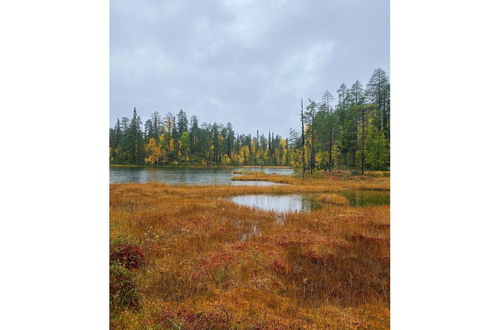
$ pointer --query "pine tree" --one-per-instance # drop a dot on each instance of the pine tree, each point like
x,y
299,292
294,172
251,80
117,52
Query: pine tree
x,y
310,116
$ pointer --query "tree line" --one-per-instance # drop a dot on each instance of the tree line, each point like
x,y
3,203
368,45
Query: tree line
x,y
176,141
352,131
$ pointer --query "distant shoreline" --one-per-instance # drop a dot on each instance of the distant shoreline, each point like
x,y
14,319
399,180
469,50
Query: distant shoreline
x,y
198,166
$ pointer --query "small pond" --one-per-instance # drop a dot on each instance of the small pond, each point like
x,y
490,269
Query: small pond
x,y
278,203
306,202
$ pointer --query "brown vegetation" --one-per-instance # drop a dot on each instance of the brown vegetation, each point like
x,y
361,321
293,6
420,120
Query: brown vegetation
x,y
333,181
328,268
335,199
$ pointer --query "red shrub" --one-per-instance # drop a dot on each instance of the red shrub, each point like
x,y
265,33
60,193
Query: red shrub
x,y
122,288
222,258
279,267
128,255
316,258
366,239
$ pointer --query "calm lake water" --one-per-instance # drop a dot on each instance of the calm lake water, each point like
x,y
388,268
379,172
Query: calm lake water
x,y
190,176
306,202
267,170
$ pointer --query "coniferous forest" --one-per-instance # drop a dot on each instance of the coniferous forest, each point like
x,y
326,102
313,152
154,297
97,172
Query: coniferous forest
x,y
350,129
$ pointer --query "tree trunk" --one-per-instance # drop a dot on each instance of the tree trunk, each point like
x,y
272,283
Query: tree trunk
x,y
330,163
312,148
302,140
363,139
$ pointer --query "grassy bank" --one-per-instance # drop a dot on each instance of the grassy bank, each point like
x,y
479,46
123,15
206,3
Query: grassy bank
x,y
208,263
321,182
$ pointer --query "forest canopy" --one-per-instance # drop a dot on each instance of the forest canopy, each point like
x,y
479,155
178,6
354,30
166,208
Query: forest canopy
x,y
351,130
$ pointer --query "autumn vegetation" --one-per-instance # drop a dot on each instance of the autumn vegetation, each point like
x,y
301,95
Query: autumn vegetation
x,y
185,257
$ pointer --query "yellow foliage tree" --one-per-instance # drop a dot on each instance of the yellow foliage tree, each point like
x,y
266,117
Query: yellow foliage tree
x,y
153,152
171,144
225,159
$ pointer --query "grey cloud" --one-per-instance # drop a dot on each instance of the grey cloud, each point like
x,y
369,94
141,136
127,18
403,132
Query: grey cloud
x,y
244,61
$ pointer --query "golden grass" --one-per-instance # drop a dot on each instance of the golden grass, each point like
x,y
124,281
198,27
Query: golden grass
x,y
378,173
327,269
334,199
322,182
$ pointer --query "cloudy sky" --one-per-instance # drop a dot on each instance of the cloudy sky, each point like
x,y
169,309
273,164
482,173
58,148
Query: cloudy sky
x,y
244,61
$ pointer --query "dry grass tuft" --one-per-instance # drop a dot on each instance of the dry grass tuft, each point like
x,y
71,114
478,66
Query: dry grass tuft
x,y
334,199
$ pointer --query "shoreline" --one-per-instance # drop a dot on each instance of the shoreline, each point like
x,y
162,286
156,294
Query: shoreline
x,y
199,166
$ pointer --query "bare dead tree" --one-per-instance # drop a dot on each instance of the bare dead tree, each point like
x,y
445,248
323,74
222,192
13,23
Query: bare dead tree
x,y
302,140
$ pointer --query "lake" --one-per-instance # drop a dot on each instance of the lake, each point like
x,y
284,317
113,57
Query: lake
x,y
190,176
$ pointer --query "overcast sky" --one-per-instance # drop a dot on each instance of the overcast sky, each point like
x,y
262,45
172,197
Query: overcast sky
x,y
244,61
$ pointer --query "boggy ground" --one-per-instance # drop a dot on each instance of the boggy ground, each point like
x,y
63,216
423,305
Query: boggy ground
x,y
211,264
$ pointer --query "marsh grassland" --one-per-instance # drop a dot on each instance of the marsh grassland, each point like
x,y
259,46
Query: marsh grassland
x,y
185,257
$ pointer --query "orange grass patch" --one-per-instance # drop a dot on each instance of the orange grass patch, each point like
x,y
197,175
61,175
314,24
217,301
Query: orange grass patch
x,y
335,199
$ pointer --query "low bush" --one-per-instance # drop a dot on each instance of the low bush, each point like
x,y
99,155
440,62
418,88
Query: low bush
x,y
123,291
126,254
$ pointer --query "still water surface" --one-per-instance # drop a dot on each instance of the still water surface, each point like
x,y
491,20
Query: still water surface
x,y
278,203
190,176
223,176
367,197
306,202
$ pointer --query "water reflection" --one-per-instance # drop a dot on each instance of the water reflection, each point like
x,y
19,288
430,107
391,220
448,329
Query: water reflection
x,y
256,183
269,170
254,229
367,197
278,203
280,218
190,176
306,202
